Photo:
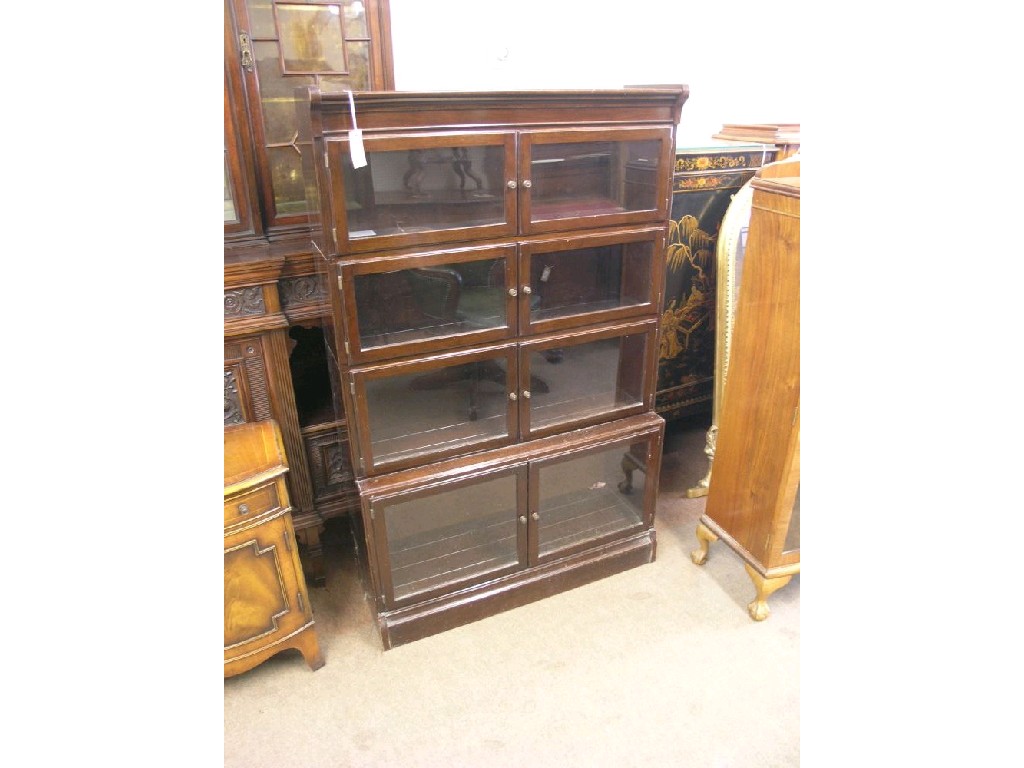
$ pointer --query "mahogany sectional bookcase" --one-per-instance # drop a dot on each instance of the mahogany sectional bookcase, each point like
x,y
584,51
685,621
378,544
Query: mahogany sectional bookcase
x,y
494,263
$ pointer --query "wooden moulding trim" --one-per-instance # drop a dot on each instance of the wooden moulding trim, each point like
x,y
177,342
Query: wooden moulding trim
x,y
270,649
442,472
251,482
258,324
233,529
778,188
475,108
473,603
251,269
749,559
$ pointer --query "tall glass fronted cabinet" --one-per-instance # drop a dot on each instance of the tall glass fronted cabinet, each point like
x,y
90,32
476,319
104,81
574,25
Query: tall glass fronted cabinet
x,y
275,364
494,269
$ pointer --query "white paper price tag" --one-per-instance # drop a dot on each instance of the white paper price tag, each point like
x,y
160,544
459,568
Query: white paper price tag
x,y
355,137
355,144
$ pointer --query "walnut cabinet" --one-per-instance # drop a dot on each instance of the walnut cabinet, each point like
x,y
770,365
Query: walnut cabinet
x,y
493,263
266,605
753,502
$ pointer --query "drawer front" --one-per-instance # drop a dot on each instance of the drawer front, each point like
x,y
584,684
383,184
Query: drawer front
x,y
264,594
246,506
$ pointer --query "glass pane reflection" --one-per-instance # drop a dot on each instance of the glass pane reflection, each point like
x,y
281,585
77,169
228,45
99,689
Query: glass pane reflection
x,y
311,38
229,202
443,409
458,534
426,302
417,190
593,178
584,280
584,381
591,496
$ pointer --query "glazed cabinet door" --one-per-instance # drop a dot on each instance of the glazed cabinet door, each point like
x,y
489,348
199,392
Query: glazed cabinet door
x,y
264,593
422,189
418,303
415,411
592,278
590,177
586,377
593,495
433,540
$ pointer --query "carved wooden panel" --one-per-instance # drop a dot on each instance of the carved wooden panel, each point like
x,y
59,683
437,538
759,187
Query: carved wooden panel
x,y
329,465
244,302
301,292
246,396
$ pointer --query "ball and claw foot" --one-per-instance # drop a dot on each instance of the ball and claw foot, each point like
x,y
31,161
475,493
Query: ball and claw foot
x,y
758,607
704,538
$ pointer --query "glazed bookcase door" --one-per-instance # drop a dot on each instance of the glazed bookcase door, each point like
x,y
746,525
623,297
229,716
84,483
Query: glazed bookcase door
x,y
588,497
426,302
416,411
593,177
431,541
595,278
274,48
587,377
423,189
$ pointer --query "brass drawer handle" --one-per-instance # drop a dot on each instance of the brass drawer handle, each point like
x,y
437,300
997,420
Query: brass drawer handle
x,y
243,509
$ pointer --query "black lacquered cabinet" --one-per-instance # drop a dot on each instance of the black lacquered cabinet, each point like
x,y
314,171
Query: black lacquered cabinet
x,y
495,269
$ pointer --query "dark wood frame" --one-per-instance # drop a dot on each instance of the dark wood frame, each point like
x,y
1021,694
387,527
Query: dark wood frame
x,y
421,615
570,116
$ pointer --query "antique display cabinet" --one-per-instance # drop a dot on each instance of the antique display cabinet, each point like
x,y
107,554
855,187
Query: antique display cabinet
x,y
753,502
266,605
274,360
704,181
493,263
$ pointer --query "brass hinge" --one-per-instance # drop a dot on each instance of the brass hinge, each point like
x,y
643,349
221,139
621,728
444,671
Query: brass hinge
x,y
302,603
334,231
287,541
352,387
327,159
340,288
347,350
246,51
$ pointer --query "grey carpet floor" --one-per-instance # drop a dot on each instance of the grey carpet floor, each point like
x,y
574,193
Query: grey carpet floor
x,y
659,665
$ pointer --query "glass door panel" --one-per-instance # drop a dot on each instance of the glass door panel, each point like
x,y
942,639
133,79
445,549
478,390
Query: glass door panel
x,y
585,378
425,189
412,304
591,496
414,412
596,279
792,541
461,533
597,177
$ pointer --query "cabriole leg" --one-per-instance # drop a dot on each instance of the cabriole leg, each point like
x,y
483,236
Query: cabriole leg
x,y
704,538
